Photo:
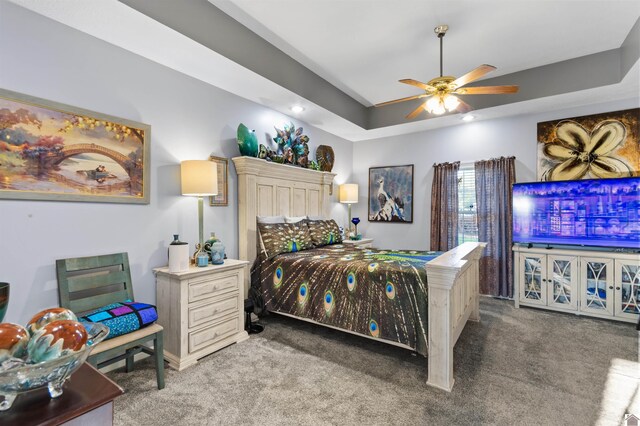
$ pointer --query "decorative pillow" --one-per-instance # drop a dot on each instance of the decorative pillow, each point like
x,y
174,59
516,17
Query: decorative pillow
x,y
324,232
294,219
270,219
284,237
122,318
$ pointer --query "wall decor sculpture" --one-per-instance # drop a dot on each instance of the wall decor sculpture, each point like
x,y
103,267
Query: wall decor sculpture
x,y
595,146
52,151
391,194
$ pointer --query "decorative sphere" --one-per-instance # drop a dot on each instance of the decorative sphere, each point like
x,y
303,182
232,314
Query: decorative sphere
x,y
47,316
57,339
13,341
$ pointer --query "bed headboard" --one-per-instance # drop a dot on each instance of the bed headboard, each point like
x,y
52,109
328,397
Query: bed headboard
x,y
269,189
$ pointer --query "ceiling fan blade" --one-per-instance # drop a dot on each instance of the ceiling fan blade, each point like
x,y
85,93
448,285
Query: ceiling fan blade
x,y
412,82
395,101
473,75
487,90
463,107
416,112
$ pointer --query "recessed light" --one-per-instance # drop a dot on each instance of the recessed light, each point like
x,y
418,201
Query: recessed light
x,y
469,117
297,108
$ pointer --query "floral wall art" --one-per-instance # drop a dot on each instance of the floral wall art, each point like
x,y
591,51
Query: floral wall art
x,y
596,146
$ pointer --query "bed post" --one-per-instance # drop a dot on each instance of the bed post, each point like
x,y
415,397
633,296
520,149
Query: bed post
x,y
453,284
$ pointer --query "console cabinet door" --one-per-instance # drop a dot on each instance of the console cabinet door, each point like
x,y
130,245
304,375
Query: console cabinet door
x,y
597,285
627,286
562,281
533,280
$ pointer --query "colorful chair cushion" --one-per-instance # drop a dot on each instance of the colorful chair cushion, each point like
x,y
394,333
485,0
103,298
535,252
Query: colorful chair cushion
x,y
284,237
324,232
122,318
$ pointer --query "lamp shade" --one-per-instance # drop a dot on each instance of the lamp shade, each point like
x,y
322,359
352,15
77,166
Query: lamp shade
x,y
349,193
199,178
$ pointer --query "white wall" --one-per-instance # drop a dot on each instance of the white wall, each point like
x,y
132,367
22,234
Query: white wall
x,y
467,142
189,120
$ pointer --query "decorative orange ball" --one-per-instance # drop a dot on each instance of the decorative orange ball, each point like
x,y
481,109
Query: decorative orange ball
x,y
13,341
57,339
47,316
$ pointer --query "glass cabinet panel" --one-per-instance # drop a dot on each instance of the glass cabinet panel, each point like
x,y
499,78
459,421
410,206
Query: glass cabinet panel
x,y
562,280
534,286
597,280
627,288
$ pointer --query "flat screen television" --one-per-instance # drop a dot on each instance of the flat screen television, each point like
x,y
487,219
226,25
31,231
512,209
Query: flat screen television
x,y
594,212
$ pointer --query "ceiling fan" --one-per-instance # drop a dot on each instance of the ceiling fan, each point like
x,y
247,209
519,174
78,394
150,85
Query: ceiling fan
x,y
441,90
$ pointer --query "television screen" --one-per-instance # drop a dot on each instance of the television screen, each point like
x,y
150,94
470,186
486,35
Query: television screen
x,y
596,212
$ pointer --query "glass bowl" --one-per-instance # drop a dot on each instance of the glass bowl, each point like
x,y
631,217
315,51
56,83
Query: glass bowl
x,y
51,374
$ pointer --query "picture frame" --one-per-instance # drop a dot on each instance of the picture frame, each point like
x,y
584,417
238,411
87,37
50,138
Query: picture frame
x,y
390,195
57,152
596,146
222,198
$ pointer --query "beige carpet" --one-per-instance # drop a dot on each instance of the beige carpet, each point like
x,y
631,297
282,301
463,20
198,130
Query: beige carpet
x,y
517,366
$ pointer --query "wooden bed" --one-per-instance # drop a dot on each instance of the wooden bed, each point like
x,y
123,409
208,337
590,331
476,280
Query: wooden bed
x,y
269,189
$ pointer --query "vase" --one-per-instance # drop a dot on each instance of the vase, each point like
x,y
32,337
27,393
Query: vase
x,y
355,221
4,299
178,255
247,141
325,157
217,253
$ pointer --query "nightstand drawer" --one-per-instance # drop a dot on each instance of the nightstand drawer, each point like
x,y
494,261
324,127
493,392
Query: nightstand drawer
x,y
210,335
212,311
202,288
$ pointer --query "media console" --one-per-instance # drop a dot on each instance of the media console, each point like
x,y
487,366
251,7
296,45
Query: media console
x,y
602,284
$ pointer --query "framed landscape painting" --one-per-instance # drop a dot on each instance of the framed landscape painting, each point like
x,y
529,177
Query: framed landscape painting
x,y
391,194
597,146
52,151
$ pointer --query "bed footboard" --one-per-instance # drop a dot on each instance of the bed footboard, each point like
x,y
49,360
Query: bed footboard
x,y
453,284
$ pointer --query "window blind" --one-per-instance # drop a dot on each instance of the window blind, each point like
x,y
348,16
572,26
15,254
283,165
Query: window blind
x,y
467,217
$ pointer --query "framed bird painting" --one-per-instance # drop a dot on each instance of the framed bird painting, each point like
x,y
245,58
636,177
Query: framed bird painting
x,y
391,194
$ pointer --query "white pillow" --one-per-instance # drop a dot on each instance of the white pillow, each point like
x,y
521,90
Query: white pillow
x,y
270,219
294,219
316,218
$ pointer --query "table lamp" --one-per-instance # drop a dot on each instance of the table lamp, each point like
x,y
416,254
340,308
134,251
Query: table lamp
x,y
199,178
349,195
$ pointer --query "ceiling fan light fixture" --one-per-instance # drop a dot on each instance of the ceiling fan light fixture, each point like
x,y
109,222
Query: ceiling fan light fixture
x,y
451,102
439,104
435,105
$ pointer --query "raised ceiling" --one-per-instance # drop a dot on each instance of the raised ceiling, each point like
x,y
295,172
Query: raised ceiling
x,y
338,57
365,47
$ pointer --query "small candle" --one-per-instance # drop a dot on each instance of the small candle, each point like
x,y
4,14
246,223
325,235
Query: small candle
x,y
202,259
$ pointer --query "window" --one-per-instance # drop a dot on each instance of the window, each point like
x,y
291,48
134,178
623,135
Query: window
x,y
467,218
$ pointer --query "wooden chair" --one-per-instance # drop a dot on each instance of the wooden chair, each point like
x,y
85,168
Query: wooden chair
x,y
87,283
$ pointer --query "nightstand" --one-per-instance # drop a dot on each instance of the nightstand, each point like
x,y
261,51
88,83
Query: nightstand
x,y
201,310
365,242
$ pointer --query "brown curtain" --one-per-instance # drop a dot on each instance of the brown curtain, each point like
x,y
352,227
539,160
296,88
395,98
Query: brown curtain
x,y
494,179
444,206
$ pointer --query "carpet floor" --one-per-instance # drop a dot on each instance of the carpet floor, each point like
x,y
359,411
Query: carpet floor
x,y
517,366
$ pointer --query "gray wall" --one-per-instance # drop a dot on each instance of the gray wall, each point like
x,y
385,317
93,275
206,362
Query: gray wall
x,y
466,142
189,120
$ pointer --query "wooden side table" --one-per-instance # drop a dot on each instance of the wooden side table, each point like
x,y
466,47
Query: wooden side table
x,y
87,400
201,310
364,242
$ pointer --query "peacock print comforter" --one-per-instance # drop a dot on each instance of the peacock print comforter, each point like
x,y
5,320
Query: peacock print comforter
x,y
379,293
